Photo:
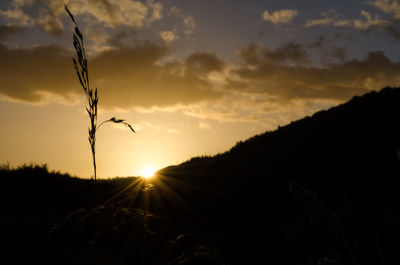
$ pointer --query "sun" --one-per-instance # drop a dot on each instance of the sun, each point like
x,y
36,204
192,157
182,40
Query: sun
x,y
148,172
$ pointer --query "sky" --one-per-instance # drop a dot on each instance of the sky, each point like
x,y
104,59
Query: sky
x,y
193,77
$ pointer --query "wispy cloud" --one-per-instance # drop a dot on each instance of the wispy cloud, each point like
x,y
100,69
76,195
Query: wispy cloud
x,y
157,11
188,21
364,23
43,13
388,6
168,36
284,16
368,22
7,31
204,125
16,17
327,18
290,53
190,24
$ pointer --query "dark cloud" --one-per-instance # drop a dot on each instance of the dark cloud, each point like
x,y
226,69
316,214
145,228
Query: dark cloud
x,y
201,63
145,75
117,39
106,7
389,29
329,49
339,53
320,42
348,38
25,73
126,76
132,77
51,24
9,31
288,54
44,13
338,81
393,31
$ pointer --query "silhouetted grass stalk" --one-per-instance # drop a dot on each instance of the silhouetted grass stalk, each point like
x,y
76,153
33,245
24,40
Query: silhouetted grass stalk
x,y
81,67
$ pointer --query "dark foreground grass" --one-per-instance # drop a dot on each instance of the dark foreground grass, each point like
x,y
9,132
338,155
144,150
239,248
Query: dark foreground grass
x,y
48,217
321,190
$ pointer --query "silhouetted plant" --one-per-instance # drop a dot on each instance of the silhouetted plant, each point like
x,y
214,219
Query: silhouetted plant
x,y
81,68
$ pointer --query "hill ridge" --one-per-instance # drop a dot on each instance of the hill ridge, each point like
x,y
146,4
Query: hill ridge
x,y
355,102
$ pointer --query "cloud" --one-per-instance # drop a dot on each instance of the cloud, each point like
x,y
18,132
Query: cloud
x,y
204,125
44,13
49,20
117,39
146,76
127,77
138,80
157,11
168,36
47,14
177,12
203,63
394,32
232,107
267,83
328,18
16,16
285,82
290,53
389,7
190,24
254,108
188,21
370,22
27,73
284,16
320,42
8,31
115,13
367,22
174,131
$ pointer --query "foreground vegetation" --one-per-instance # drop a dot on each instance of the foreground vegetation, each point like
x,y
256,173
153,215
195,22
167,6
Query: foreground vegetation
x,y
321,190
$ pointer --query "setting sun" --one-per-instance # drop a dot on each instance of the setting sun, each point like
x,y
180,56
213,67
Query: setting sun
x,y
148,172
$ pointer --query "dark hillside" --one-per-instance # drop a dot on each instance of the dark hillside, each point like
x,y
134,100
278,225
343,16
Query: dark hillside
x,y
361,136
272,186
321,190
33,187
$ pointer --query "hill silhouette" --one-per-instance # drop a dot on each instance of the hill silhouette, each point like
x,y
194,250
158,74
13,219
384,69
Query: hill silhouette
x,y
321,190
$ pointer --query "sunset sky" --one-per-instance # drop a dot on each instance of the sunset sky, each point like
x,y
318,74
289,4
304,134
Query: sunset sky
x,y
193,77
